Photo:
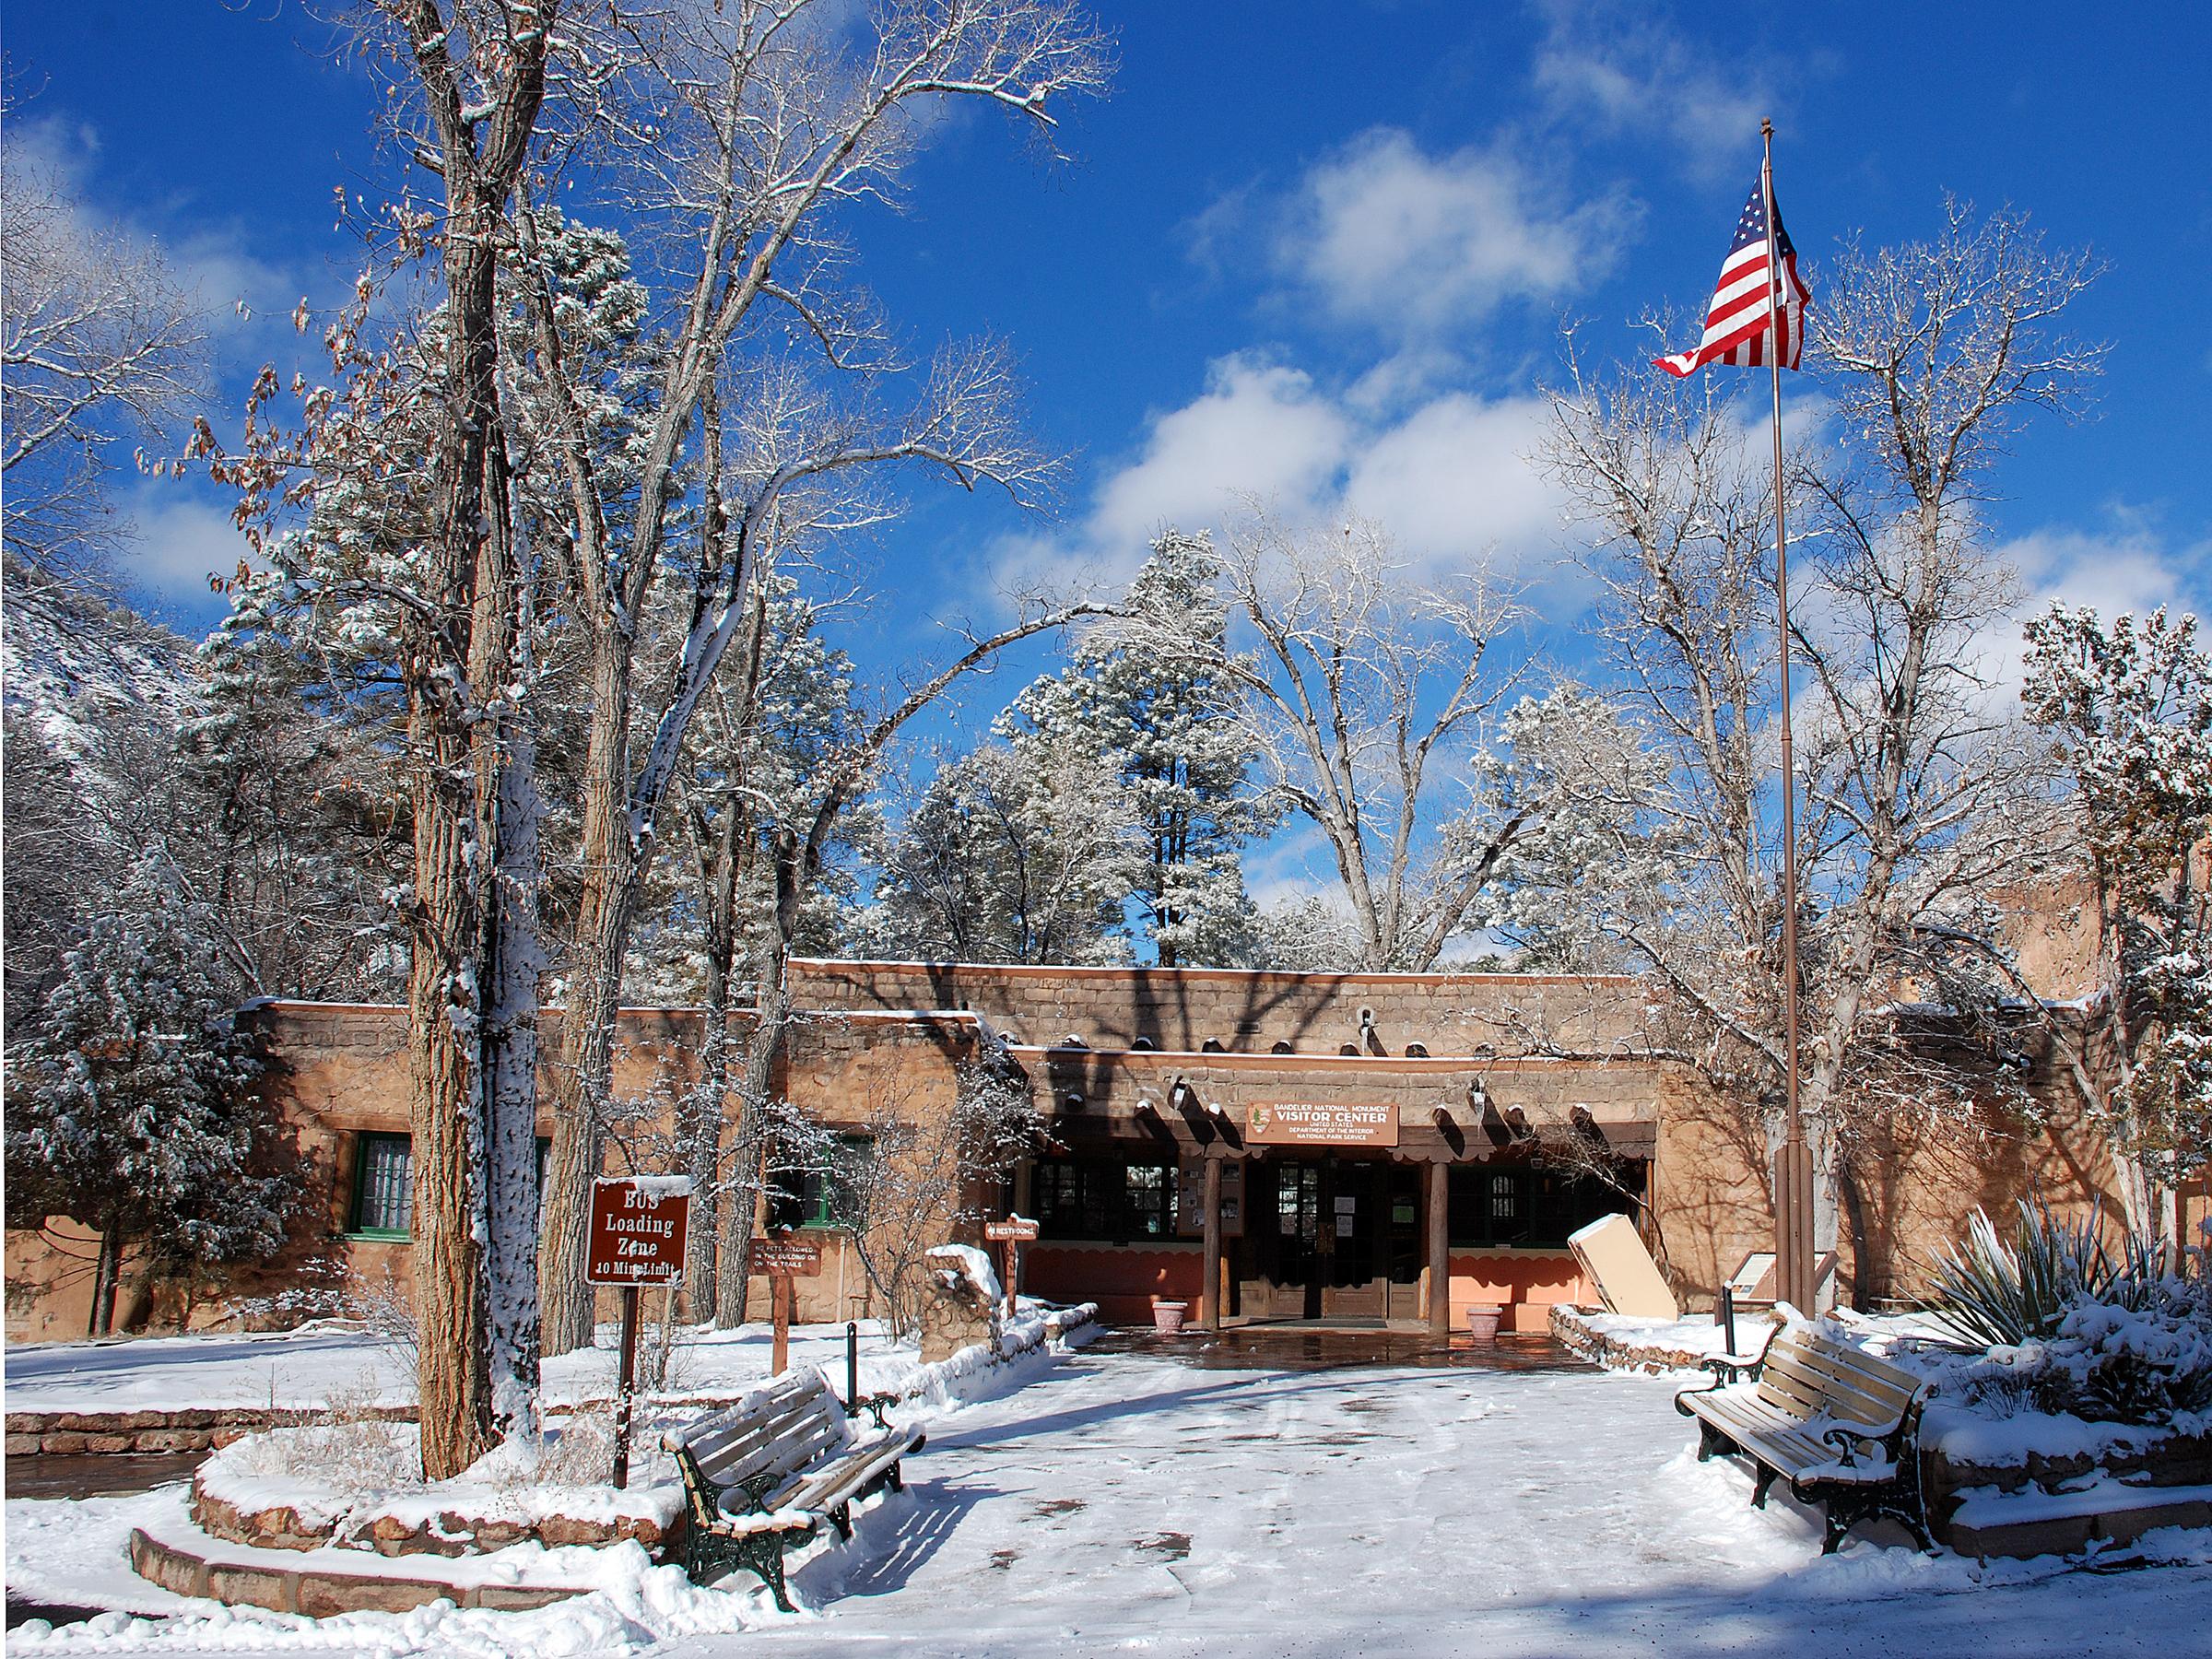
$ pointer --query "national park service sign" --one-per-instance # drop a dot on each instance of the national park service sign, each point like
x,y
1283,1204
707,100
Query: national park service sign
x,y
1289,1125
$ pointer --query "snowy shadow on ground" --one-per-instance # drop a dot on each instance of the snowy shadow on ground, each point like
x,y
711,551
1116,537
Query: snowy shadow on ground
x,y
903,1535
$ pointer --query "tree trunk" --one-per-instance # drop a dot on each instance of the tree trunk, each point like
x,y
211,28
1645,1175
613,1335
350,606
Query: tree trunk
x,y
584,1073
700,1134
106,1269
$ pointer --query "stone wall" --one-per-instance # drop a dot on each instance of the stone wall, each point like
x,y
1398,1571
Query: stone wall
x,y
1182,1009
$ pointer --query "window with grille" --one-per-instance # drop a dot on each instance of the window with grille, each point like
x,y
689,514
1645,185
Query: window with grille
x,y
1104,1198
829,1196
383,1185
1529,1205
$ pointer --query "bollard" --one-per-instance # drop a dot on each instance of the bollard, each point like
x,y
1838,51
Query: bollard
x,y
1728,1317
851,1368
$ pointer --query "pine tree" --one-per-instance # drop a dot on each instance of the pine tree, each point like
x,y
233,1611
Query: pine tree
x,y
2128,706
1153,701
134,1112
1012,855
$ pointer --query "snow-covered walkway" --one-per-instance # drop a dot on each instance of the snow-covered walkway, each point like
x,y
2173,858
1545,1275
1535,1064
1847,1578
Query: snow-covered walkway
x,y
1120,1500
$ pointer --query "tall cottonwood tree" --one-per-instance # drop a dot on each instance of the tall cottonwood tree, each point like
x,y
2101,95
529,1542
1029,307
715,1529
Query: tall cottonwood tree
x,y
412,552
755,128
1365,691
1919,800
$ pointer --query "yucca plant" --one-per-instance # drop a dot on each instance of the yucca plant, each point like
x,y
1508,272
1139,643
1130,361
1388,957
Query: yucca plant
x,y
1991,1294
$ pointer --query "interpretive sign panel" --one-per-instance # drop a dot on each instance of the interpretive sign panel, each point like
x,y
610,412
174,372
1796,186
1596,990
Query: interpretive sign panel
x,y
639,1223
1292,1124
787,1258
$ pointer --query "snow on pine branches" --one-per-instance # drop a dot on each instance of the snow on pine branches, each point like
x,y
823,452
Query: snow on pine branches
x,y
132,1111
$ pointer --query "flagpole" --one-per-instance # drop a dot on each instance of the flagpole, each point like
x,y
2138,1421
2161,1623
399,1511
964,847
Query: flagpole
x,y
1794,1280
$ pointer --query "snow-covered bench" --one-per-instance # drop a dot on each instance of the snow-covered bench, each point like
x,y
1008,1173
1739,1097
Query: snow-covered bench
x,y
1840,1426
762,1477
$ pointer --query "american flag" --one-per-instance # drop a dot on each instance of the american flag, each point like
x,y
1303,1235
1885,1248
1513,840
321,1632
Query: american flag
x,y
1736,323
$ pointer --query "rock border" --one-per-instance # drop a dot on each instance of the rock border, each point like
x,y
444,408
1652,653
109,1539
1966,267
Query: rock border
x,y
449,1533
316,1592
1571,1329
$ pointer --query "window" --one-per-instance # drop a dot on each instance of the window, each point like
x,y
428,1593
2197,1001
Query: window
x,y
1493,1206
383,1185
826,1196
1105,1198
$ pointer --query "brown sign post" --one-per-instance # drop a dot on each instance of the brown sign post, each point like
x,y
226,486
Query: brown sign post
x,y
784,1259
1012,1232
638,1226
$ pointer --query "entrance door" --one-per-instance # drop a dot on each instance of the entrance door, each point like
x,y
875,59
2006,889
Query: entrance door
x,y
1344,1240
1302,1253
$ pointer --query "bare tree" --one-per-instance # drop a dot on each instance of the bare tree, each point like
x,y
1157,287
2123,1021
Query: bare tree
x,y
1370,693
929,1172
98,345
748,129
1920,798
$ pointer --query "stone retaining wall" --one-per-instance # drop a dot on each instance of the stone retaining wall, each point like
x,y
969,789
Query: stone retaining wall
x,y
317,1591
450,1532
79,1433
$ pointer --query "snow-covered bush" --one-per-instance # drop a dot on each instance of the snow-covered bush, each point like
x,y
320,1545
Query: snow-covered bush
x,y
133,1109
2068,1328
1991,1294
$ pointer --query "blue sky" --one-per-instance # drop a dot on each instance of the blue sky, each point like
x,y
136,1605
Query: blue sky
x,y
1323,251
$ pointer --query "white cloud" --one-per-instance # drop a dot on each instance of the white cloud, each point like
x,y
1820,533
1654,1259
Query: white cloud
x,y
1450,475
1258,429
179,544
1604,65
1455,481
1394,239
2125,567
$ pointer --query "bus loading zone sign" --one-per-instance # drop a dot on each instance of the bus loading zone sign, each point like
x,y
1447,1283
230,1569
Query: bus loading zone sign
x,y
637,1230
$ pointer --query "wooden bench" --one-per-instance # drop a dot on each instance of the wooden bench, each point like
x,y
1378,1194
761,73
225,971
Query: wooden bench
x,y
762,1478
1840,1426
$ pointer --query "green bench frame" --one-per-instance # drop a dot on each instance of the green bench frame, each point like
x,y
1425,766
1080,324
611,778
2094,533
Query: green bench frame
x,y
1807,1410
789,1454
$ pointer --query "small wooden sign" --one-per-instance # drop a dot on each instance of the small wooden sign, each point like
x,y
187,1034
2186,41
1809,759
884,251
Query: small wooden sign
x,y
1320,1125
1020,1229
787,1258
639,1224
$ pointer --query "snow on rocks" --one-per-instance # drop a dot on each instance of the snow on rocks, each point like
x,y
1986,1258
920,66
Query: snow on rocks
x,y
1656,1346
359,1486
965,1262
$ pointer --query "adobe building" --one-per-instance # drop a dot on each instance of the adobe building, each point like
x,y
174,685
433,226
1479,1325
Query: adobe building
x,y
1263,1146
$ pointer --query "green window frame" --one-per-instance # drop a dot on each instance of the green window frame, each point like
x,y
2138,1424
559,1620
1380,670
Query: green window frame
x,y
827,1197
384,1186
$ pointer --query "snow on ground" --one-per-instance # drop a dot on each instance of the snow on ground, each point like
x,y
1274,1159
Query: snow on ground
x,y
1122,1501
334,1361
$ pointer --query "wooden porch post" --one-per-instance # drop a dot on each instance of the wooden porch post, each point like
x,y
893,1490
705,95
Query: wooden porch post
x,y
1440,1250
1210,1309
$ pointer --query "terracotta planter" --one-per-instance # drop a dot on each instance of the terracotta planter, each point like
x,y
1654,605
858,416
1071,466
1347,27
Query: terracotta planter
x,y
1482,1321
1167,1317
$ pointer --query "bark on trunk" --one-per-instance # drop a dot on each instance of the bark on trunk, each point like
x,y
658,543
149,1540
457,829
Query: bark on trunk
x,y
472,980
584,1071
106,1270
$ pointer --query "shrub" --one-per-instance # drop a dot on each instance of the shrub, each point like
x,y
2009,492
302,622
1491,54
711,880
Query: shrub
x,y
2074,1329
1991,1294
